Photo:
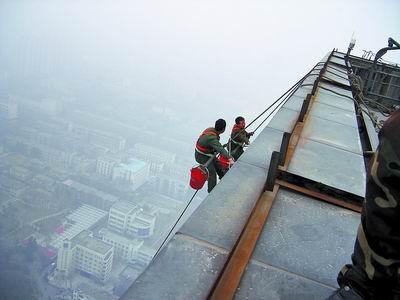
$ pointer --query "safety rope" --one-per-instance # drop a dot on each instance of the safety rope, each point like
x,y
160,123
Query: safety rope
x,y
176,223
367,112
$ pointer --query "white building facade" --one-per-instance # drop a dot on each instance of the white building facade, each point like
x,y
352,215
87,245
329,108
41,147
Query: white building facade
x,y
87,254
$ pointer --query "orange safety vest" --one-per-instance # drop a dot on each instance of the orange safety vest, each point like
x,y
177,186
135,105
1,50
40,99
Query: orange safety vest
x,y
205,149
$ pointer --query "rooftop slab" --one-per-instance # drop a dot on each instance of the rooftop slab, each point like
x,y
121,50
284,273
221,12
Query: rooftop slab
x,y
307,237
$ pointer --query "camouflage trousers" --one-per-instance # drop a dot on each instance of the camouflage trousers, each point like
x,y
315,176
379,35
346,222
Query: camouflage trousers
x,y
375,272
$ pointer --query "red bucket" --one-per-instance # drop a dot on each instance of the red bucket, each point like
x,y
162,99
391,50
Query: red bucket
x,y
223,162
198,176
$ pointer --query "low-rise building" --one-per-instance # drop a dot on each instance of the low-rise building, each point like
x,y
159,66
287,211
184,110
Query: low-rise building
x,y
141,225
128,218
87,254
144,256
85,217
124,247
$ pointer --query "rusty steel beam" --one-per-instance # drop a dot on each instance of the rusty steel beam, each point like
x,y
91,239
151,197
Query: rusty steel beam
x,y
226,285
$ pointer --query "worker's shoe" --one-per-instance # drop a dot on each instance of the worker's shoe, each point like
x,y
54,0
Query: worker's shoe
x,y
345,293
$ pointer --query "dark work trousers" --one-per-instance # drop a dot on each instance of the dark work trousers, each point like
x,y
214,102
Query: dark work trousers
x,y
236,151
213,169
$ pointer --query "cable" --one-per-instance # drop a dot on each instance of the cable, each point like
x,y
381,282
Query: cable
x,y
340,76
355,101
280,105
173,227
293,86
339,70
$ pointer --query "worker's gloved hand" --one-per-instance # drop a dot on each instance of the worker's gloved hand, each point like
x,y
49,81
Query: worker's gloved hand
x,y
231,161
250,134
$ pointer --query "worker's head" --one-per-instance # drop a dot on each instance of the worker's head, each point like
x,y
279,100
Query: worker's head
x,y
220,125
240,122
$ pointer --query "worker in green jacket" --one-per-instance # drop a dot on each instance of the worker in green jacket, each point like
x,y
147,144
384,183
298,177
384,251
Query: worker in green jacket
x,y
239,138
207,146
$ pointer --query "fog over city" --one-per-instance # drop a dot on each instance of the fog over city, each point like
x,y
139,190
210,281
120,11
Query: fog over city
x,y
101,103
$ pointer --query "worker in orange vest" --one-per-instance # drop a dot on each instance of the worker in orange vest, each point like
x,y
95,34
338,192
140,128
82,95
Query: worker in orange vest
x,y
239,138
207,146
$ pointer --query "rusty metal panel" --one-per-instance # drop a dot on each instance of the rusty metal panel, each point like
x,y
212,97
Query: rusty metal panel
x,y
329,165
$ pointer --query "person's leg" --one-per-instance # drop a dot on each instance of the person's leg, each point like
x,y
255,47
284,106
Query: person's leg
x,y
375,272
235,151
239,153
212,177
218,169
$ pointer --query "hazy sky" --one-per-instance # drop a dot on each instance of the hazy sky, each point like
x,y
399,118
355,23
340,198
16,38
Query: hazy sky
x,y
204,59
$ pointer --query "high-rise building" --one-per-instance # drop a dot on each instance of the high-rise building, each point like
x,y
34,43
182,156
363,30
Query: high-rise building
x,y
87,254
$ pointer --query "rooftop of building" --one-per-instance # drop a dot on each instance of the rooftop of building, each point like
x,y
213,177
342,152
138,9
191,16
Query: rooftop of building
x,y
146,216
81,219
106,233
124,207
85,239
133,165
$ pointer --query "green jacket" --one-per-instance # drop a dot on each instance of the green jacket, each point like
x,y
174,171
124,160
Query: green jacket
x,y
208,143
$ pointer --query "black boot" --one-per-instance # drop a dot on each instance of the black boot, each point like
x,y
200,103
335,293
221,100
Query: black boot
x,y
345,293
